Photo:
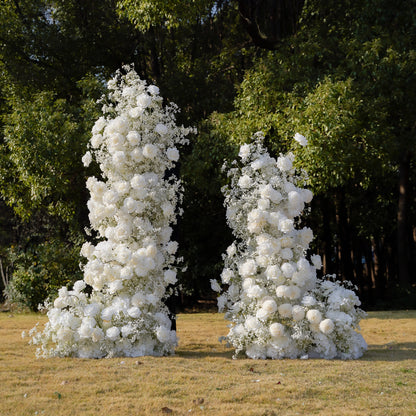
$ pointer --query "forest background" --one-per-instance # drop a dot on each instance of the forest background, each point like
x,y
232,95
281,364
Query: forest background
x,y
342,73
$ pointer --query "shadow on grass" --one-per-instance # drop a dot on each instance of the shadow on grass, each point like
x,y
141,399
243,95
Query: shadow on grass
x,y
399,351
204,354
387,352
404,314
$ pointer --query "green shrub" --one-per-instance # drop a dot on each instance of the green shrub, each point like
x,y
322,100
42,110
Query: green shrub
x,y
39,271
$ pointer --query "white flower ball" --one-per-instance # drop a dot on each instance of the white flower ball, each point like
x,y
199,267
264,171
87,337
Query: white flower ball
x,y
301,139
117,125
126,273
263,204
314,316
286,254
97,334
255,291
113,333
285,310
306,236
326,326
87,159
96,140
276,330
134,312
269,306
170,277
87,250
161,129
272,272
79,285
248,268
172,247
287,269
248,282
133,137
65,334
244,182
231,250
298,313
138,182
137,155
293,292
119,158
284,163
285,225
282,291
316,261
99,125
227,275
92,309
130,204
163,334
307,195
136,112
153,89
245,150
172,154
150,151
138,299
144,100
252,323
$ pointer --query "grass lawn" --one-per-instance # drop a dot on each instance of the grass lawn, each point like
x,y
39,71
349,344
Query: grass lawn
x,y
203,379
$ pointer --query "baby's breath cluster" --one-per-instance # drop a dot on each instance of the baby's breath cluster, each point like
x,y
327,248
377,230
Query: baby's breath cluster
x,y
276,304
132,208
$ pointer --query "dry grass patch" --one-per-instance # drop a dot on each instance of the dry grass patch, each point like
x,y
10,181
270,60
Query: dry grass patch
x,y
203,379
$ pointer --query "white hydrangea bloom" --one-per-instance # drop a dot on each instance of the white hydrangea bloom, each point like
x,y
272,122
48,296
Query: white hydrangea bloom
x,y
277,306
135,143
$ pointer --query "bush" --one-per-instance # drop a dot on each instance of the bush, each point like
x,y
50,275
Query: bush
x,y
39,271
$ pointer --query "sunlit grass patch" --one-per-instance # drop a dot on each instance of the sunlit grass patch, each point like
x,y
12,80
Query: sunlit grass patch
x,y
203,379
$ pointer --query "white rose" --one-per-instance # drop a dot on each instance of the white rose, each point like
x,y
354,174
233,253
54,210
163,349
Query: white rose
x,y
284,163
161,129
113,333
87,159
150,151
143,100
170,277
215,286
301,139
276,330
314,316
244,151
285,310
153,89
326,326
136,112
298,313
172,154
134,312
244,182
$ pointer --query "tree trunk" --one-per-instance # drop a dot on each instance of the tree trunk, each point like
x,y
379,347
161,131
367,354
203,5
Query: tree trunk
x,y
327,262
344,239
403,228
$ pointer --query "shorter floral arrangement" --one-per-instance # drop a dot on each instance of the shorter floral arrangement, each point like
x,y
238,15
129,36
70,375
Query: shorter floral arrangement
x,y
277,306
132,207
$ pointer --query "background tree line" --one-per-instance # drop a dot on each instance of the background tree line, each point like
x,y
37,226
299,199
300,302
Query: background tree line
x,y
341,73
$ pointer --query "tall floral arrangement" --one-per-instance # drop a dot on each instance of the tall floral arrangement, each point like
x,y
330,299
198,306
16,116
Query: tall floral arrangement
x,y
276,304
132,208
